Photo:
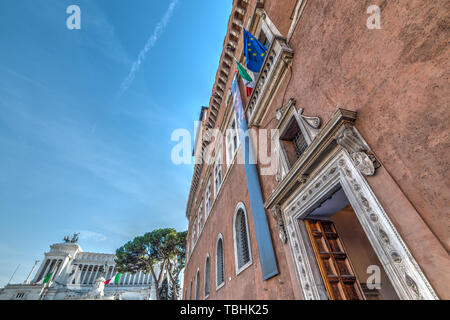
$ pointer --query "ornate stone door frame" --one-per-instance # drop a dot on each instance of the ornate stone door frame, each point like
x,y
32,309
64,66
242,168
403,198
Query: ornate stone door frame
x,y
340,169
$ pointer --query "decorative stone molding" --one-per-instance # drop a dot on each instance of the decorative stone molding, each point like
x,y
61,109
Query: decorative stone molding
x,y
324,142
278,216
278,59
400,266
308,125
358,149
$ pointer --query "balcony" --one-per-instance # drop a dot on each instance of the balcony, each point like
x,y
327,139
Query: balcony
x,y
272,72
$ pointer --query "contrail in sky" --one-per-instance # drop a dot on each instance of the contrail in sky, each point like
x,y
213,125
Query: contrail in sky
x,y
150,43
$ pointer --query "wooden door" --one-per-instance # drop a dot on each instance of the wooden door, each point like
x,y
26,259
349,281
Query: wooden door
x,y
334,264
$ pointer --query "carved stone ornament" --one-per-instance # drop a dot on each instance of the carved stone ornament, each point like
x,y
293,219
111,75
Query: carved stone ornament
x,y
350,140
277,215
313,122
363,163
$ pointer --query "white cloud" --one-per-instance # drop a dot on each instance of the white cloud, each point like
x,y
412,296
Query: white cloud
x,y
157,32
92,236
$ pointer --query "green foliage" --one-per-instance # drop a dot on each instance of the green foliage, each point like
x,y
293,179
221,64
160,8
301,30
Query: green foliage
x,y
165,247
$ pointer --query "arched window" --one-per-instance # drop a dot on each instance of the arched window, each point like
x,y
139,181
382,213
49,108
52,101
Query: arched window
x,y
200,218
220,266
207,276
190,293
242,249
197,285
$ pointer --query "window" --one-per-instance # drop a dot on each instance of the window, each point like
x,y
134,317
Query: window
x,y
293,142
20,295
200,218
207,276
194,229
217,176
220,268
190,293
241,239
208,198
264,40
197,286
232,140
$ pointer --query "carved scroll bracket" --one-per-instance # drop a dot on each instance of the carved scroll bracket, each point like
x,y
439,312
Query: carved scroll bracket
x,y
351,140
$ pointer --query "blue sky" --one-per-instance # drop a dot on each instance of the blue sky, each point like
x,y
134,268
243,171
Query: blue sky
x,y
83,149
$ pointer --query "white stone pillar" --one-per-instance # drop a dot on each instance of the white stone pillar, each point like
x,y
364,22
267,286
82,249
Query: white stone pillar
x,y
50,267
65,267
90,279
96,273
134,278
123,278
109,272
85,274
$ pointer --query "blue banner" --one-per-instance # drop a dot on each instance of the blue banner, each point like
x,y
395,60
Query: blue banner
x,y
265,247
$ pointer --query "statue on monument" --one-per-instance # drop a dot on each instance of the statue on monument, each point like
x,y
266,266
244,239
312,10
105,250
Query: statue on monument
x,y
73,240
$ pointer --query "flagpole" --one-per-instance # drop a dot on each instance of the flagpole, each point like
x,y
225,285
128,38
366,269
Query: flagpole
x,y
13,274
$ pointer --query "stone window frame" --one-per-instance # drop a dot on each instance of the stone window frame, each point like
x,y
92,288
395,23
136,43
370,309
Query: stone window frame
x,y
400,266
218,168
208,202
308,127
220,285
194,232
230,134
200,221
240,206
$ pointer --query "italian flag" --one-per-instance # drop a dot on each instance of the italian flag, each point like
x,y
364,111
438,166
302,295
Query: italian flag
x,y
44,280
114,279
248,81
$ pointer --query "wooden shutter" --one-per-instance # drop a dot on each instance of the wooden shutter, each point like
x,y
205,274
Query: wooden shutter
x,y
242,239
334,264
207,275
220,264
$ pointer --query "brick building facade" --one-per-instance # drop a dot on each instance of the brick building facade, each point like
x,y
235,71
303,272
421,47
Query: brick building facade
x,y
361,170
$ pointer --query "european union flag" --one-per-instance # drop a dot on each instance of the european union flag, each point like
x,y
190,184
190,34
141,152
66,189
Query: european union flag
x,y
255,52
